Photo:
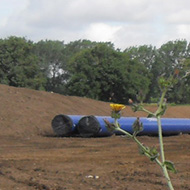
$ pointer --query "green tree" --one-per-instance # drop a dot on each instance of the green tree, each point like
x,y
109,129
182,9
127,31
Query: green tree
x,y
181,92
75,47
144,54
168,58
171,54
18,65
52,63
106,74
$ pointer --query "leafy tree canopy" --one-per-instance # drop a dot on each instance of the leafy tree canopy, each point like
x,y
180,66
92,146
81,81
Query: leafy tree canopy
x,y
95,69
18,66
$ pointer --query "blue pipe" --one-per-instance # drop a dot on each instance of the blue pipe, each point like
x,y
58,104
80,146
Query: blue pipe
x,y
75,119
74,125
65,125
92,126
170,126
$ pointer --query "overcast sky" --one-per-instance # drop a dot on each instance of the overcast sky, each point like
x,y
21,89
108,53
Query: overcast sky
x,y
122,22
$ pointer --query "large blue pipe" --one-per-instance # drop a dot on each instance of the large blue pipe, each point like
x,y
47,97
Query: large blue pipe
x,y
65,125
92,126
84,126
170,126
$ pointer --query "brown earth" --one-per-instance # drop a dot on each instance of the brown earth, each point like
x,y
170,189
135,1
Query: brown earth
x,y
32,157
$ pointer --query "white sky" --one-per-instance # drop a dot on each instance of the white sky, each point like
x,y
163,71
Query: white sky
x,y
123,22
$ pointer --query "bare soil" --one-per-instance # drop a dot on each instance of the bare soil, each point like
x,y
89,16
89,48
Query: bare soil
x,y
32,157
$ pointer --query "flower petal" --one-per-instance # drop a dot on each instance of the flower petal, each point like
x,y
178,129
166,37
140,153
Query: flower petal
x,y
117,107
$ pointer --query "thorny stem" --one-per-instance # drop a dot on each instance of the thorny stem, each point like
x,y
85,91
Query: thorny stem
x,y
160,163
163,166
161,151
147,111
125,132
162,99
139,143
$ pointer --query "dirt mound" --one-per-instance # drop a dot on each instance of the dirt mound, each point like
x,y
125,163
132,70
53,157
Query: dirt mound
x,y
31,157
29,112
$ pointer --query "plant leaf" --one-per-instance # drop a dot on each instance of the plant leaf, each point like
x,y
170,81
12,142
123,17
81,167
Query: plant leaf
x,y
137,127
170,166
162,112
154,153
110,126
150,115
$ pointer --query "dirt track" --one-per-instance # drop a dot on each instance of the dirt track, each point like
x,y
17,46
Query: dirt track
x,y
31,157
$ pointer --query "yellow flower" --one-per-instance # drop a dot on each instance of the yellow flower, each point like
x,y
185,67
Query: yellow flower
x,y
117,107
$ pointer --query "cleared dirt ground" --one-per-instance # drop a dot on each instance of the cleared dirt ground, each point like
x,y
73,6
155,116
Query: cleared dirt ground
x,y
32,157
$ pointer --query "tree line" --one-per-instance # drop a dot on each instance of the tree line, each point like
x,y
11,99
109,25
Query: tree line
x,y
95,69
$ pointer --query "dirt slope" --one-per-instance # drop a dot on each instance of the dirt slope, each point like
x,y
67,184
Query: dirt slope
x,y
29,112
31,157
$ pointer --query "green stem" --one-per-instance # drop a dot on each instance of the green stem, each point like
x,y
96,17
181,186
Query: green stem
x,y
161,150
147,111
135,139
161,139
162,99
163,166
140,144
125,132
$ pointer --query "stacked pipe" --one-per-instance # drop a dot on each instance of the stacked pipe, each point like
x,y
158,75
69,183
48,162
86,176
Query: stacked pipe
x,y
94,126
65,125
